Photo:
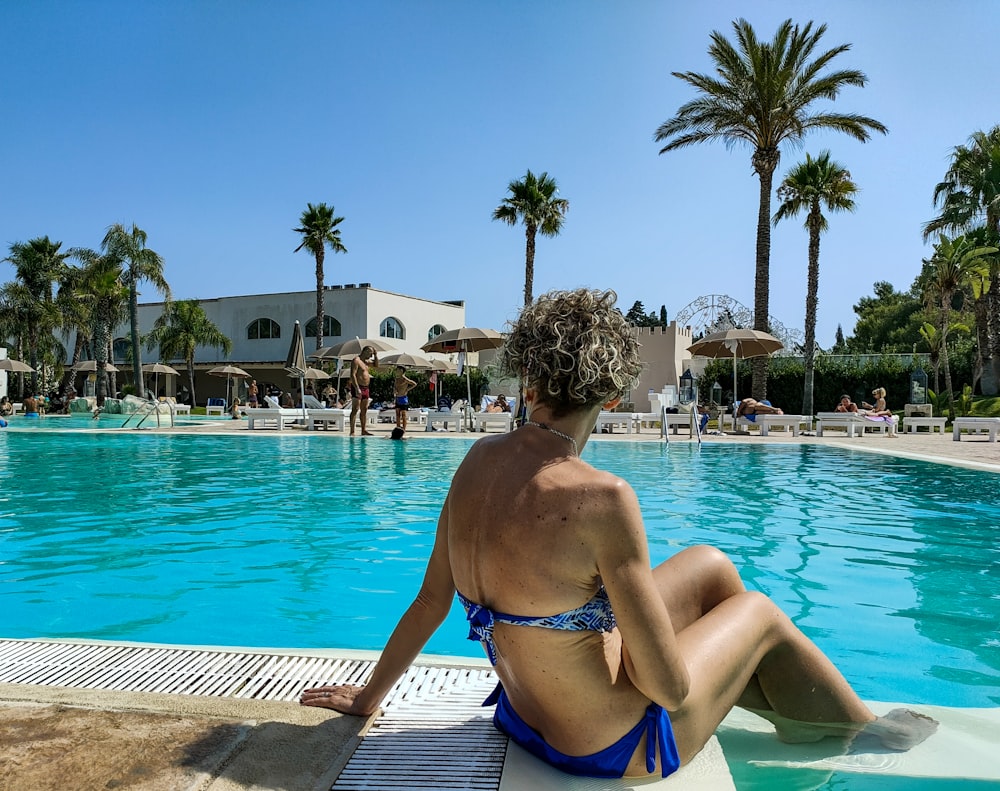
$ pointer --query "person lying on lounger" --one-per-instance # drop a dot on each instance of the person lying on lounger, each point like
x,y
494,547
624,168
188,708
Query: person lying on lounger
x,y
846,405
751,406
608,667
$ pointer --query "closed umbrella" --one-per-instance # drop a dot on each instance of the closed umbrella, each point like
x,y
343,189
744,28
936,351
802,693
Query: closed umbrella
x,y
465,339
295,364
738,344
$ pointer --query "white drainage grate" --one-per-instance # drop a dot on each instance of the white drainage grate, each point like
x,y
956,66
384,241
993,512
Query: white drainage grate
x,y
434,734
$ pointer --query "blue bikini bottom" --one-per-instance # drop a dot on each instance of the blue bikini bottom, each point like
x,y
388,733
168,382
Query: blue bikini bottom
x,y
612,761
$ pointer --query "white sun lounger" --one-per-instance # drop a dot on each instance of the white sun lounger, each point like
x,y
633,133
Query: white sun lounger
x,y
976,425
854,423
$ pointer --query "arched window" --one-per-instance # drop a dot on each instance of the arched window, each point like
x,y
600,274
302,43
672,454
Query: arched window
x,y
121,350
331,327
392,328
261,329
434,331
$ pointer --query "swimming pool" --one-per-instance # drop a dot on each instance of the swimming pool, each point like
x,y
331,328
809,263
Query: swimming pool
x,y
890,565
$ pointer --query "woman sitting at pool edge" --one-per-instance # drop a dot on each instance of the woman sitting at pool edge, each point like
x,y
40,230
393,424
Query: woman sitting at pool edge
x,y
639,666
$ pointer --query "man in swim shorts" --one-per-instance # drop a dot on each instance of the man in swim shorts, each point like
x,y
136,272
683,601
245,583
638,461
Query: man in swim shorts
x,y
361,379
401,388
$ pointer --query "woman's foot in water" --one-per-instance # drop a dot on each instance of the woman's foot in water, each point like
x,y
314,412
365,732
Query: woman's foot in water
x,y
900,729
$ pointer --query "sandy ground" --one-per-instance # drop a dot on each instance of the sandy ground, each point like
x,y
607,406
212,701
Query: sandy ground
x,y
83,739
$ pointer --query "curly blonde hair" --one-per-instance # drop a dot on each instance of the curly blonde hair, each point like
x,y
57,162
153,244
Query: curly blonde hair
x,y
575,348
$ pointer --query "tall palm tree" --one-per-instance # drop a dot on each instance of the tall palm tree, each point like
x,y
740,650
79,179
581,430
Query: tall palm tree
x,y
319,230
969,198
953,264
763,97
533,200
101,286
128,246
808,187
180,330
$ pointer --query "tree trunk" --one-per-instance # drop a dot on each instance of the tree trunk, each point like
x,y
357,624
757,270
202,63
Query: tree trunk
x,y
190,370
764,163
133,311
320,318
812,302
530,229
945,319
69,373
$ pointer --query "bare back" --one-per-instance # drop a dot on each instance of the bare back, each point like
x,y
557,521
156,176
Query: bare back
x,y
525,535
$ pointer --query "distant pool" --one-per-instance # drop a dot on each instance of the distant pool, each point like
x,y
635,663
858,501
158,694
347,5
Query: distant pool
x,y
891,565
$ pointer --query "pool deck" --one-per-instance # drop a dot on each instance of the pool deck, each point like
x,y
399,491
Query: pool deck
x,y
102,715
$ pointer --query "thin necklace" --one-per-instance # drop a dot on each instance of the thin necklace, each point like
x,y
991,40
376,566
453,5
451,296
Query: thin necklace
x,y
551,430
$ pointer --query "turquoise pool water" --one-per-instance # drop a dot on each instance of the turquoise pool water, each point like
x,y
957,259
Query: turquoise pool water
x,y
891,565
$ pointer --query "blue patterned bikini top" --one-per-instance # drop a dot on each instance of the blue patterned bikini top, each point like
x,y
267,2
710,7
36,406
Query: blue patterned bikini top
x,y
594,616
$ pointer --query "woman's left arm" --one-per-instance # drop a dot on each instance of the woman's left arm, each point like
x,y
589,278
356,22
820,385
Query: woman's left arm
x,y
411,634
650,651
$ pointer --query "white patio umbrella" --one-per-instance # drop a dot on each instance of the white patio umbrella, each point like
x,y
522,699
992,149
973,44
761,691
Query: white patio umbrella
x,y
738,344
465,339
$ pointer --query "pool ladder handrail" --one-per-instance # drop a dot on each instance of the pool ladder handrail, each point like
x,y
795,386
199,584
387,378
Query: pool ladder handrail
x,y
151,407
695,423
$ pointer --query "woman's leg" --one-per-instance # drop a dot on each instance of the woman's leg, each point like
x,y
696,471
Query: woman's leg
x,y
743,650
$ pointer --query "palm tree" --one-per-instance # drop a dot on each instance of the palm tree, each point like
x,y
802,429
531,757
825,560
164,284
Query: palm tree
x,y
763,97
180,330
101,286
969,198
533,200
807,187
128,246
38,265
319,230
953,264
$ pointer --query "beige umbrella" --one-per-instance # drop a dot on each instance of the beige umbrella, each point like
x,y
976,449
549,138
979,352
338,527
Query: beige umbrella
x,y
156,369
465,339
313,373
90,366
738,344
443,366
349,349
230,372
15,367
414,361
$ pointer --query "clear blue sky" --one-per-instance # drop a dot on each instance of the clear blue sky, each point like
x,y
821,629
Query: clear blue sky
x,y
212,124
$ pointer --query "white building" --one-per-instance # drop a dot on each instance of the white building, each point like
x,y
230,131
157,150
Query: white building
x,y
260,328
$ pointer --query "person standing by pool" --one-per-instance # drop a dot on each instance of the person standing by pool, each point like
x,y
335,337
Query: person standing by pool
x,y
401,387
638,666
361,379
30,406
252,393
